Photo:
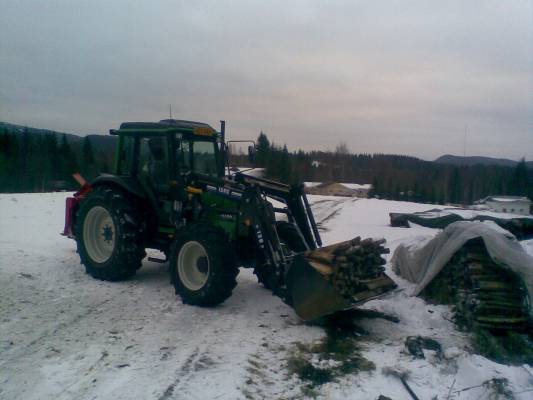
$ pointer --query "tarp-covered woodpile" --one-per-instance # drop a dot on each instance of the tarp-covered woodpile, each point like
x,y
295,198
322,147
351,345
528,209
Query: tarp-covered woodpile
x,y
483,292
522,228
484,273
434,218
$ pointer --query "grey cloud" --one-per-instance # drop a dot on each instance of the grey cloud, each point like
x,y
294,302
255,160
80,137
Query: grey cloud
x,y
402,77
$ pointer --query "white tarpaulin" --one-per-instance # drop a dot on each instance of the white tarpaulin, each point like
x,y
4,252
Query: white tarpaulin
x,y
420,264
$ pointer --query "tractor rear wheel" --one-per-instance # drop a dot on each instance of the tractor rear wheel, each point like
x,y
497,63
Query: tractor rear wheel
x,y
109,235
203,266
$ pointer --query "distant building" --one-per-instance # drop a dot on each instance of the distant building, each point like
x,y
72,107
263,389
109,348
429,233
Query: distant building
x,y
506,204
338,189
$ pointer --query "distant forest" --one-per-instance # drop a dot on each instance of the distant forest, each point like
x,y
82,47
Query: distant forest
x,y
34,160
394,177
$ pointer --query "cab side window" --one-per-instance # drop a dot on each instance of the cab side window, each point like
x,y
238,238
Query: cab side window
x,y
183,156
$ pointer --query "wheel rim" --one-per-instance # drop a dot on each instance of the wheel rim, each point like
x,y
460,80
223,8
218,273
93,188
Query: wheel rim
x,y
193,265
99,234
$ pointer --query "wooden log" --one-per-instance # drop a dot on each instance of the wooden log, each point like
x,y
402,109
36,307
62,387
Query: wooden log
x,y
360,261
324,269
341,246
324,258
352,250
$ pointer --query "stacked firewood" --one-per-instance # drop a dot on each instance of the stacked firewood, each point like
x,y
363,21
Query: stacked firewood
x,y
483,292
352,266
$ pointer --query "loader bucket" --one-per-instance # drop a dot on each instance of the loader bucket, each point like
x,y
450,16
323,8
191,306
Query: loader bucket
x,y
311,294
314,296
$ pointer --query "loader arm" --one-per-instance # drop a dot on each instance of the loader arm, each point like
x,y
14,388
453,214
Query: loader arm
x,y
298,209
321,280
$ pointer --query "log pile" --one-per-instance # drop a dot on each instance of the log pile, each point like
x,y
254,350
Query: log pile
x,y
353,266
484,293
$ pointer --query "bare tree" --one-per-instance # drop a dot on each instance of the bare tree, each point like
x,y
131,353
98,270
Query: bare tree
x,y
342,148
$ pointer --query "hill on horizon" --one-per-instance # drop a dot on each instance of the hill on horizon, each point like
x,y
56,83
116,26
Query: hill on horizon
x,y
470,161
100,142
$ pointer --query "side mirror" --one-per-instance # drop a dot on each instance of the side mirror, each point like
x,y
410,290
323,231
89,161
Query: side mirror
x,y
251,154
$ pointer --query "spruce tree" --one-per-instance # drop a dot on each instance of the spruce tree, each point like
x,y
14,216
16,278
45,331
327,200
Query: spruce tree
x,y
69,163
519,182
263,150
285,165
87,156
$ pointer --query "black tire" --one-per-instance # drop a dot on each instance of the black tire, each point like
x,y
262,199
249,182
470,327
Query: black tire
x,y
125,254
265,277
288,235
218,265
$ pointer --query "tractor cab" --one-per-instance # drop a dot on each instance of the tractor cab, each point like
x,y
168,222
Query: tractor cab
x,y
161,159
163,151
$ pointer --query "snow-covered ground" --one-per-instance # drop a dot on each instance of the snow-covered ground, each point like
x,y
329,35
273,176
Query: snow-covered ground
x,y
64,335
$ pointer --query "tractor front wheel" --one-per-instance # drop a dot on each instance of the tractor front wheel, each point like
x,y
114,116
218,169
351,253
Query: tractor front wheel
x,y
203,267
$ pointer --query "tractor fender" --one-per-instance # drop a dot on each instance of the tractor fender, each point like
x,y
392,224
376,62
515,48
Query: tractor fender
x,y
124,182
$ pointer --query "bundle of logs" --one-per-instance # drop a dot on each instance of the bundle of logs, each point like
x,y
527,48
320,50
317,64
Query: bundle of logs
x,y
483,292
352,266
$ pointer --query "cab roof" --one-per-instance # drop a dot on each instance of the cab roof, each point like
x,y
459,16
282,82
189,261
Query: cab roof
x,y
166,125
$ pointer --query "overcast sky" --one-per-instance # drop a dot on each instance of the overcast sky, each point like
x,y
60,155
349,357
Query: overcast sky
x,y
401,77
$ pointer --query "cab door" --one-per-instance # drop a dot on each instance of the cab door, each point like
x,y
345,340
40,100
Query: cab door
x,y
154,165
155,172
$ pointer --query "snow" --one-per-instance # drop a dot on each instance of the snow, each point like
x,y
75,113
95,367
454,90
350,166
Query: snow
x,y
528,246
352,186
510,199
312,184
255,172
65,335
356,186
344,218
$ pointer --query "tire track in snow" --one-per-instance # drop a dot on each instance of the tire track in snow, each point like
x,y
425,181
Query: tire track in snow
x,y
230,336
262,379
27,349
326,209
84,384
185,371
200,361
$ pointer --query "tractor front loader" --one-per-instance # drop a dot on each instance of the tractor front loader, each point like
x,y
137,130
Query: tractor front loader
x,y
169,191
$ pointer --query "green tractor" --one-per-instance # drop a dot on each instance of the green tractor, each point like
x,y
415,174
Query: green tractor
x,y
169,191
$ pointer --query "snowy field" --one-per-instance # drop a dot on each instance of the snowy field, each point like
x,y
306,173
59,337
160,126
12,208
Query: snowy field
x,y
64,335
